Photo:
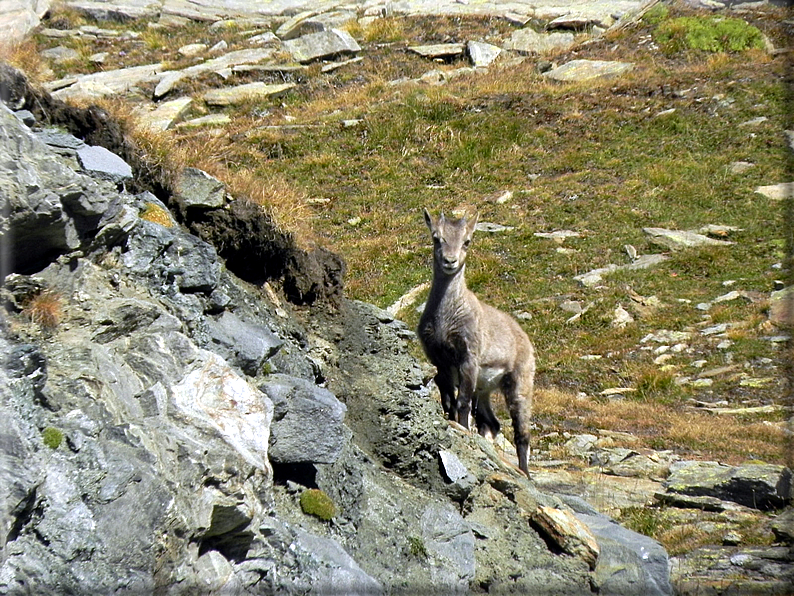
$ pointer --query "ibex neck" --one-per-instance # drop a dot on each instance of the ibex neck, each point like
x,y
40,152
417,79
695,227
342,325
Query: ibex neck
x,y
447,287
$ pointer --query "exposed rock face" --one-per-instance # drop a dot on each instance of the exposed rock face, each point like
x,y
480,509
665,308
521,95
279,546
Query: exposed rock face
x,y
157,388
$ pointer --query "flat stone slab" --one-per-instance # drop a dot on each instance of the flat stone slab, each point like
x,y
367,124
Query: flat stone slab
x,y
101,84
529,41
243,93
681,239
441,50
165,115
325,44
588,70
777,192
482,54
102,163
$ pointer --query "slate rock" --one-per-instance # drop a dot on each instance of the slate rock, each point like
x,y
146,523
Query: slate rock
x,y
338,572
529,41
314,23
783,526
588,70
308,422
449,542
104,164
781,307
255,91
759,486
244,344
325,44
439,51
197,189
681,239
165,115
628,563
482,54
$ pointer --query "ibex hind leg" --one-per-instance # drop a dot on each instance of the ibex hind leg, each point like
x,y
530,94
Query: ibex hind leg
x,y
487,423
518,396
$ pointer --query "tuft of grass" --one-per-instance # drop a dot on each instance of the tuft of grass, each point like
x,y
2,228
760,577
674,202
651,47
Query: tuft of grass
x,y
44,309
52,437
317,503
26,56
714,34
417,548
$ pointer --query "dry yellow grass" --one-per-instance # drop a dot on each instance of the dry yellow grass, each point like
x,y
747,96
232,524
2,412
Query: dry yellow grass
x,y
25,56
726,438
44,309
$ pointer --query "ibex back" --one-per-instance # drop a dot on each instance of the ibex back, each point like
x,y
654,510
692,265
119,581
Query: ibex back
x,y
476,348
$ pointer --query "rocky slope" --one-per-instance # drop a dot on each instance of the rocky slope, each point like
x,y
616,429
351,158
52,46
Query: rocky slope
x,y
140,366
164,420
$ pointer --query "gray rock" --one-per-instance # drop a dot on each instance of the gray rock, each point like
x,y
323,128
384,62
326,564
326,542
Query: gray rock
x,y
529,41
326,44
781,307
244,93
439,51
308,423
197,189
244,344
19,17
43,223
462,481
165,115
122,10
26,117
760,486
681,239
482,54
101,84
315,23
777,192
60,54
339,572
450,544
104,164
596,276
587,70
783,526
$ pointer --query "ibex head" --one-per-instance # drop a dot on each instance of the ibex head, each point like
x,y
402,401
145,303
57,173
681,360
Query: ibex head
x,y
451,240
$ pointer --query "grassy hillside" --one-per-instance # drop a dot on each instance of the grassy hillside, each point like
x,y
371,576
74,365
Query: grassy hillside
x,y
350,158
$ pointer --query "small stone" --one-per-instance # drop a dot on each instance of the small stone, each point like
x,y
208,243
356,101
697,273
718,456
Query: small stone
x,y
588,70
777,192
193,49
439,51
104,164
492,228
740,167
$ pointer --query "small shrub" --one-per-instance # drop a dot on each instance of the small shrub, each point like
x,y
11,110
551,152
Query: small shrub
x,y
44,309
315,502
707,34
52,437
156,214
417,547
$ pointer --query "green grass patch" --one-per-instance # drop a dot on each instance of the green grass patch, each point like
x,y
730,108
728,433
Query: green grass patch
x,y
709,34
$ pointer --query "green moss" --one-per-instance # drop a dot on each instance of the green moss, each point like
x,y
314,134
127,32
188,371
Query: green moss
x,y
315,502
417,547
52,437
707,34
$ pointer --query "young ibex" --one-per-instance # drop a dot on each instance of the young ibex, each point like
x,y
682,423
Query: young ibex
x,y
476,348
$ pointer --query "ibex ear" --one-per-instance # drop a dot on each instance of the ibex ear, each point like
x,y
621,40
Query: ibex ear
x,y
472,224
429,220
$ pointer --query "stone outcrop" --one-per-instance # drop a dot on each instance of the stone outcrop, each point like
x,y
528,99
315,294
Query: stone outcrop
x,y
143,381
